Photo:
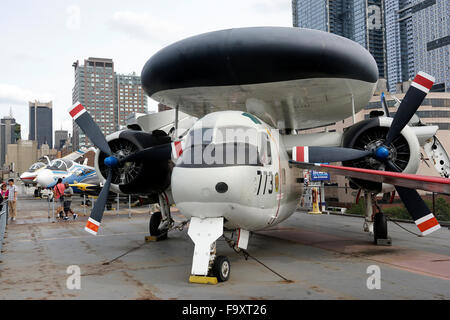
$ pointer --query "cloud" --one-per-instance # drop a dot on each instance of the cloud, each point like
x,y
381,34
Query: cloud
x,y
271,6
145,26
14,94
73,21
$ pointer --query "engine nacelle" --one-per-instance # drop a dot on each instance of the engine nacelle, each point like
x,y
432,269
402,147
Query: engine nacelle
x,y
371,133
147,177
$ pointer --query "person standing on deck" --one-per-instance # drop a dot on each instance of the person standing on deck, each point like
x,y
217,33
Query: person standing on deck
x,y
12,199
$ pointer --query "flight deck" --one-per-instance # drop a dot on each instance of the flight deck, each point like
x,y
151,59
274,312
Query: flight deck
x,y
305,257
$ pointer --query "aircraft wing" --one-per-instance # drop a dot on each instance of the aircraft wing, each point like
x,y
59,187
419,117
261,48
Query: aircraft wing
x,y
76,154
412,181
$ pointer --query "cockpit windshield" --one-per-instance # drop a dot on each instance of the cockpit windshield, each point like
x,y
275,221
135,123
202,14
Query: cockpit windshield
x,y
225,146
206,136
69,163
221,155
36,166
58,164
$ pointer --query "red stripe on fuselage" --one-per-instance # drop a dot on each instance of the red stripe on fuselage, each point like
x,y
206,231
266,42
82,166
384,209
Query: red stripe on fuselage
x,y
178,148
300,154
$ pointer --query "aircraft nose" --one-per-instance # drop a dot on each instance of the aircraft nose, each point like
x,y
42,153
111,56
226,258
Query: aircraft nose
x,y
45,178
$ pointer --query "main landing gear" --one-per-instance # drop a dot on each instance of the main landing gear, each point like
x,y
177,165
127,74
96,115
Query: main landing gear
x,y
375,222
161,221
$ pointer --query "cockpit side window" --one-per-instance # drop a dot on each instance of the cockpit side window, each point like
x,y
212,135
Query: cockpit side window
x,y
265,152
36,166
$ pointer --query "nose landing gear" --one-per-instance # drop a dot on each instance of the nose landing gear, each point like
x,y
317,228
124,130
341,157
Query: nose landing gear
x,y
207,268
221,268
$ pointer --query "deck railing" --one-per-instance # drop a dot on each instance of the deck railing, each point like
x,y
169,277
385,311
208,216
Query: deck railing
x,y
3,223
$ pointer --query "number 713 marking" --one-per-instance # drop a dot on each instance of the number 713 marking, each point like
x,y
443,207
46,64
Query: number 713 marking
x,y
265,184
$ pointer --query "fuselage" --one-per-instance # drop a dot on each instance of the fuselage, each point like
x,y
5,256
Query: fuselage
x,y
243,175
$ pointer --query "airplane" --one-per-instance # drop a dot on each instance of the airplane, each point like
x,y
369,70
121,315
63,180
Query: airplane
x,y
60,168
239,167
29,177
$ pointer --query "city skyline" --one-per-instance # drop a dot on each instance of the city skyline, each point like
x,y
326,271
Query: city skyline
x,y
129,33
404,36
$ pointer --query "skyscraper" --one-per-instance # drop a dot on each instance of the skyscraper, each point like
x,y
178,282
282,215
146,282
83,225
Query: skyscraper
x,y
8,135
431,40
107,96
94,89
418,39
41,122
359,20
130,97
61,137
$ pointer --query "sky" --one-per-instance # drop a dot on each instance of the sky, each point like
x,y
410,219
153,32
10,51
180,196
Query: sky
x,y
40,40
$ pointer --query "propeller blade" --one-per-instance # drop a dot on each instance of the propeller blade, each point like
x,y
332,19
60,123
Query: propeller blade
x,y
156,153
421,214
411,102
417,208
84,120
97,212
327,154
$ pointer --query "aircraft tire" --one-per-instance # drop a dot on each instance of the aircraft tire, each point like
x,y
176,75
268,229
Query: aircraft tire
x,y
380,230
155,221
221,268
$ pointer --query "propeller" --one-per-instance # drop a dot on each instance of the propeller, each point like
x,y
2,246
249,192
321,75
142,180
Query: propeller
x,y
415,205
411,102
84,120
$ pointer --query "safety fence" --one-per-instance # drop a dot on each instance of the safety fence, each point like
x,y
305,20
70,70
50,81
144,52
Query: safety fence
x,y
3,223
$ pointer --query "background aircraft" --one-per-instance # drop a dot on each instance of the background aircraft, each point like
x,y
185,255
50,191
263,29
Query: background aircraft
x,y
61,168
240,165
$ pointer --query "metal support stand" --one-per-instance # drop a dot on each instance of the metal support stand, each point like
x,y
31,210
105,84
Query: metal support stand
x,y
353,110
176,121
368,206
118,204
129,207
85,205
53,210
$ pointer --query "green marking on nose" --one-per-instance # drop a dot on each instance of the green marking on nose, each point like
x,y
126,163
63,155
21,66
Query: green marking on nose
x,y
251,117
